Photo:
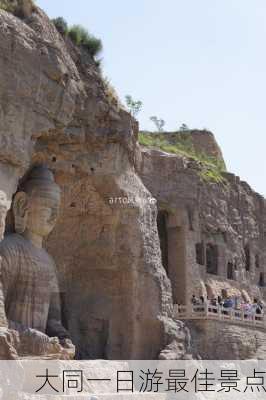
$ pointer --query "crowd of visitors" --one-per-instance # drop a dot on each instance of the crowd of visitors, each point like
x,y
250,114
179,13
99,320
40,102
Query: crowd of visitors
x,y
228,303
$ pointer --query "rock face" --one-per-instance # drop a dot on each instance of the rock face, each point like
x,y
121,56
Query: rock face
x,y
200,142
222,225
212,235
215,340
204,142
55,109
123,259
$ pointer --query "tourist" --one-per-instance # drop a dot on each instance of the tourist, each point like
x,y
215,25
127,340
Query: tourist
x,y
260,304
194,300
228,303
257,309
202,301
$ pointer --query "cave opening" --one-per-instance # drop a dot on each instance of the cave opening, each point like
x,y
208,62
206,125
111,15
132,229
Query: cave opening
x,y
200,253
172,243
261,280
162,218
230,271
212,259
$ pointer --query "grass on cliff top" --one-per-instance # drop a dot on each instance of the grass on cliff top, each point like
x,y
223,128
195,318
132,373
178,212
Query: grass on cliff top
x,y
211,170
79,35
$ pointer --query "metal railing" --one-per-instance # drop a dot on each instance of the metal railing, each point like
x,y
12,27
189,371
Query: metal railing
x,y
208,311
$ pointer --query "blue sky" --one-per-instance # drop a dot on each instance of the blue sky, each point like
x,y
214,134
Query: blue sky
x,y
199,62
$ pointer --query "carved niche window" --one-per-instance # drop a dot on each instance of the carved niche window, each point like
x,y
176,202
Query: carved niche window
x,y
162,218
230,271
261,280
200,253
212,259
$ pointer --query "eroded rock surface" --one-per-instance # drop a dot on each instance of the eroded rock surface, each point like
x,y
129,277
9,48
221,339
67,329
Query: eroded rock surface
x,y
118,278
55,109
216,340
230,216
212,234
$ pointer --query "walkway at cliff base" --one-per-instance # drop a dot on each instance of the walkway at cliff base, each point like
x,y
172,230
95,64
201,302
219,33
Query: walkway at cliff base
x,y
227,315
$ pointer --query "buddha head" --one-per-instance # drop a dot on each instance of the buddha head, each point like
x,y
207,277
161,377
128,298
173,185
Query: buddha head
x,y
36,204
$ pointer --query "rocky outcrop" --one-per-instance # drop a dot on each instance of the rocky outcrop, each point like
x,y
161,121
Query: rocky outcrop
x,y
204,142
229,214
55,109
213,234
198,143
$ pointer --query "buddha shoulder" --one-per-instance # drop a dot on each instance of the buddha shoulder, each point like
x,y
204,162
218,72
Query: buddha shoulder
x,y
11,244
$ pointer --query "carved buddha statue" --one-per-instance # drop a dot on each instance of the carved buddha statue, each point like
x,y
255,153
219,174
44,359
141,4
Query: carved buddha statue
x,y
29,282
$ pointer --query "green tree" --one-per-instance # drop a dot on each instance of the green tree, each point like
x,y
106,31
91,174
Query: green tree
x,y
134,106
159,123
81,37
184,127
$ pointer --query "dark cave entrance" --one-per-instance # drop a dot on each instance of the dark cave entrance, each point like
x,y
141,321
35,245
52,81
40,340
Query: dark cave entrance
x,y
212,259
200,253
172,243
230,271
261,280
163,236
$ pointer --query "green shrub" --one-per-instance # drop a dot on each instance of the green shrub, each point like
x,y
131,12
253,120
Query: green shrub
x,y
134,106
61,25
81,37
78,34
212,175
93,45
75,33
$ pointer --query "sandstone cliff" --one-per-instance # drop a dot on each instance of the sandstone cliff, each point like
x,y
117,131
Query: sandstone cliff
x,y
212,241
123,260
228,215
55,109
